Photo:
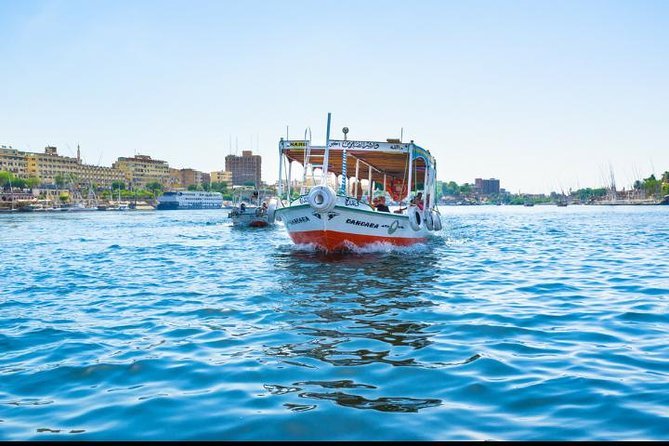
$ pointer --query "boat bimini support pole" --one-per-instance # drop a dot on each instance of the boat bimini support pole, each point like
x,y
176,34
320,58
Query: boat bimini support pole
x,y
410,172
280,188
357,177
326,156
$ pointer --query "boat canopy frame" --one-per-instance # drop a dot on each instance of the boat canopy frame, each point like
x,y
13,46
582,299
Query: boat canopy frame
x,y
382,162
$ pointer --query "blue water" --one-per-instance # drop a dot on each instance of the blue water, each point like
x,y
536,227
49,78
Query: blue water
x,y
514,323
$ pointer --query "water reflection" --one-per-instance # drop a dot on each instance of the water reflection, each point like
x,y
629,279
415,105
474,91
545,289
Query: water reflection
x,y
380,404
350,310
343,297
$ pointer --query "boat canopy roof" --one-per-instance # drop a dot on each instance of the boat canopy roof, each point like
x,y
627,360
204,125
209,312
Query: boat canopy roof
x,y
385,158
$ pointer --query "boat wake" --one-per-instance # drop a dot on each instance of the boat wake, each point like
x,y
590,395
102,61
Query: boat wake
x,y
373,248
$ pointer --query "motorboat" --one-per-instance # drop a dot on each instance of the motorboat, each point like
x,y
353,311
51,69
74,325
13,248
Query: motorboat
x,y
252,207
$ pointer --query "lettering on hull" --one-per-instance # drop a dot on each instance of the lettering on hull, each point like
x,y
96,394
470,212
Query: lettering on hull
x,y
298,220
366,224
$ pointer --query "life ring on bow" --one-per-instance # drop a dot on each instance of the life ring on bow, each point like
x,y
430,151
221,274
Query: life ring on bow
x,y
415,219
322,198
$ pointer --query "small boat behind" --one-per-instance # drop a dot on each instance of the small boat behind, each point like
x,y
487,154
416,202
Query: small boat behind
x,y
252,207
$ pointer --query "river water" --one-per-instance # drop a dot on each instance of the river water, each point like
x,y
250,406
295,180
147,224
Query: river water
x,y
513,323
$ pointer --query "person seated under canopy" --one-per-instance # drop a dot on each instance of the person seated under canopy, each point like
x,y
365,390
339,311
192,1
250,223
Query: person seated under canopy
x,y
380,204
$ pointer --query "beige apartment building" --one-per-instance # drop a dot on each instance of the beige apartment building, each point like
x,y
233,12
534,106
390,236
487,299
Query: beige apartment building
x,y
11,160
48,166
191,177
175,179
141,170
222,176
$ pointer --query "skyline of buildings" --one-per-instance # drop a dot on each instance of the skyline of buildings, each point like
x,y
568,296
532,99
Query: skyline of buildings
x,y
136,171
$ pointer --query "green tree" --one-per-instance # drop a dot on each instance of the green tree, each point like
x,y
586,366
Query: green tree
x,y
651,185
59,179
19,183
192,187
466,189
154,188
116,185
33,182
6,178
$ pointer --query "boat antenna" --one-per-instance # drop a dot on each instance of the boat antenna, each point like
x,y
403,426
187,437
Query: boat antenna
x,y
326,156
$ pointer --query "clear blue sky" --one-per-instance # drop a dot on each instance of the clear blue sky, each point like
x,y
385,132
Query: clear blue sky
x,y
541,94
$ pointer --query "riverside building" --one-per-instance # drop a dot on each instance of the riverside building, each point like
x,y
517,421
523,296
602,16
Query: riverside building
x,y
222,176
245,169
49,166
141,170
486,187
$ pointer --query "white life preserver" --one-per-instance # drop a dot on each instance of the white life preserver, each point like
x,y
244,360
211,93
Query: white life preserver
x,y
436,221
429,222
322,198
415,219
271,212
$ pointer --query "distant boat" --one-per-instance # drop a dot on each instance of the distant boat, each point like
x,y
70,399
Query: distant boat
x,y
190,200
32,207
252,207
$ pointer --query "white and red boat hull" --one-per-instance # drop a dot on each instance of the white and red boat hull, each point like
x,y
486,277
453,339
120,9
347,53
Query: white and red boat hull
x,y
345,227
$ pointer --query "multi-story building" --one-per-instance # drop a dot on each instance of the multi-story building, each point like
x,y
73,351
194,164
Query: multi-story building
x,y
191,177
11,160
245,169
141,170
486,187
222,176
51,168
174,181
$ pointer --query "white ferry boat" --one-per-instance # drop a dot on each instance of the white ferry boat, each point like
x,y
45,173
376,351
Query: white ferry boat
x,y
190,200
340,217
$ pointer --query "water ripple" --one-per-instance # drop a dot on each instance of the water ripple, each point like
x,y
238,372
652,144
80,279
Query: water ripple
x,y
512,323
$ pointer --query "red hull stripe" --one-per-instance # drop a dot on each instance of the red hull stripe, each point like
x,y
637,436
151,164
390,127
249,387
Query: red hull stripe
x,y
334,240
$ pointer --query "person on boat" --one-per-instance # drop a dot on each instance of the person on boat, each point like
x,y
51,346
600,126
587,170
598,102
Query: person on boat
x,y
381,205
418,201
242,207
